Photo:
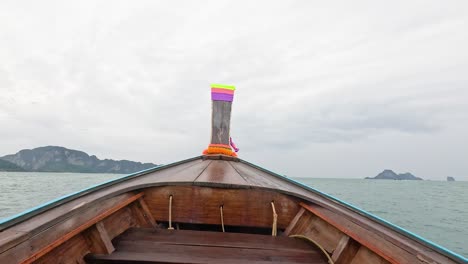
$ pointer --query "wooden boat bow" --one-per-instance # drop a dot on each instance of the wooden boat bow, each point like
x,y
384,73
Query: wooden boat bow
x,y
126,220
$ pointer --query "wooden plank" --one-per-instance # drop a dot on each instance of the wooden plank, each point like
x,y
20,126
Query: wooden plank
x,y
182,246
142,214
318,230
187,175
371,240
119,221
220,122
259,178
220,171
48,236
11,237
219,157
345,251
218,253
194,204
340,247
205,238
205,257
366,256
98,239
146,212
70,252
72,233
293,222
137,213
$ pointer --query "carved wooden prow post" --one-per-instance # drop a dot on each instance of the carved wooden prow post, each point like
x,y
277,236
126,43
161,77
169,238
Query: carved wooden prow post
x,y
222,97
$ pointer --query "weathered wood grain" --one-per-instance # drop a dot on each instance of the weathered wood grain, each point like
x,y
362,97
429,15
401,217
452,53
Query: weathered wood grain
x,y
98,239
242,207
219,157
82,227
70,252
220,122
366,256
366,238
199,256
137,213
258,178
49,239
28,247
206,238
146,212
220,171
293,222
119,221
164,246
345,251
318,230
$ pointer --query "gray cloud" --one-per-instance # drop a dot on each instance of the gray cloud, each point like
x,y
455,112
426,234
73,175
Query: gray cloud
x,y
332,83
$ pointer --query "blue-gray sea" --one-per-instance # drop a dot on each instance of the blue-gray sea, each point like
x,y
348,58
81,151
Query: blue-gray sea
x,y
435,210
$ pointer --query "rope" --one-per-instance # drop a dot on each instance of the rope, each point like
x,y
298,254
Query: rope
x,y
275,220
222,218
170,213
330,261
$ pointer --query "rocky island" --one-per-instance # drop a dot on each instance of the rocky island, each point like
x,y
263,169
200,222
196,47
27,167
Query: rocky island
x,y
450,178
8,166
391,175
60,159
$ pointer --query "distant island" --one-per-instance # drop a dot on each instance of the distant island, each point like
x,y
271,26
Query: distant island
x,y
391,175
8,166
450,178
60,159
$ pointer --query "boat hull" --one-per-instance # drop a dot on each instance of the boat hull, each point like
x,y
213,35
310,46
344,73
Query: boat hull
x,y
207,194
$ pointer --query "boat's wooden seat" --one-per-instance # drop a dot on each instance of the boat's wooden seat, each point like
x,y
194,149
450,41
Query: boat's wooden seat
x,y
143,245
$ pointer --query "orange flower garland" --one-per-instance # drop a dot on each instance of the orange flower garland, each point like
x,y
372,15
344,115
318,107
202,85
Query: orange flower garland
x,y
219,149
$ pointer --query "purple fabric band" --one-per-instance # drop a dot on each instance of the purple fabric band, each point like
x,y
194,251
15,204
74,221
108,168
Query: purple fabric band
x,y
222,97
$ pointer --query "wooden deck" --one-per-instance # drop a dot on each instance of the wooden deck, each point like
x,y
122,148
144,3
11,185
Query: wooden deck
x,y
146,245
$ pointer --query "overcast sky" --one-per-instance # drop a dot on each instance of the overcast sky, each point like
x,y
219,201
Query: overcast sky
x,y
324,88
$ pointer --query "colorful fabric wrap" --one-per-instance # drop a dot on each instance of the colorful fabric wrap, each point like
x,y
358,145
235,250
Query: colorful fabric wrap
x,y
221,92
219,149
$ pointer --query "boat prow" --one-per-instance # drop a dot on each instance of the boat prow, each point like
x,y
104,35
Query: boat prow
x,y
208,209
214,208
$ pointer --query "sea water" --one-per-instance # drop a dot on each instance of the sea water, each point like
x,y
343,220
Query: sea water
x,y
435,210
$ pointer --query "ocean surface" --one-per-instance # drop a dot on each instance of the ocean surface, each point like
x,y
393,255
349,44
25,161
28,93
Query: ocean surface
x,y
435,210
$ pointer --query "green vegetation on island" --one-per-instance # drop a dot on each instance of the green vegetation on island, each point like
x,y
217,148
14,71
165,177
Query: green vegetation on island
x,y
60,159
